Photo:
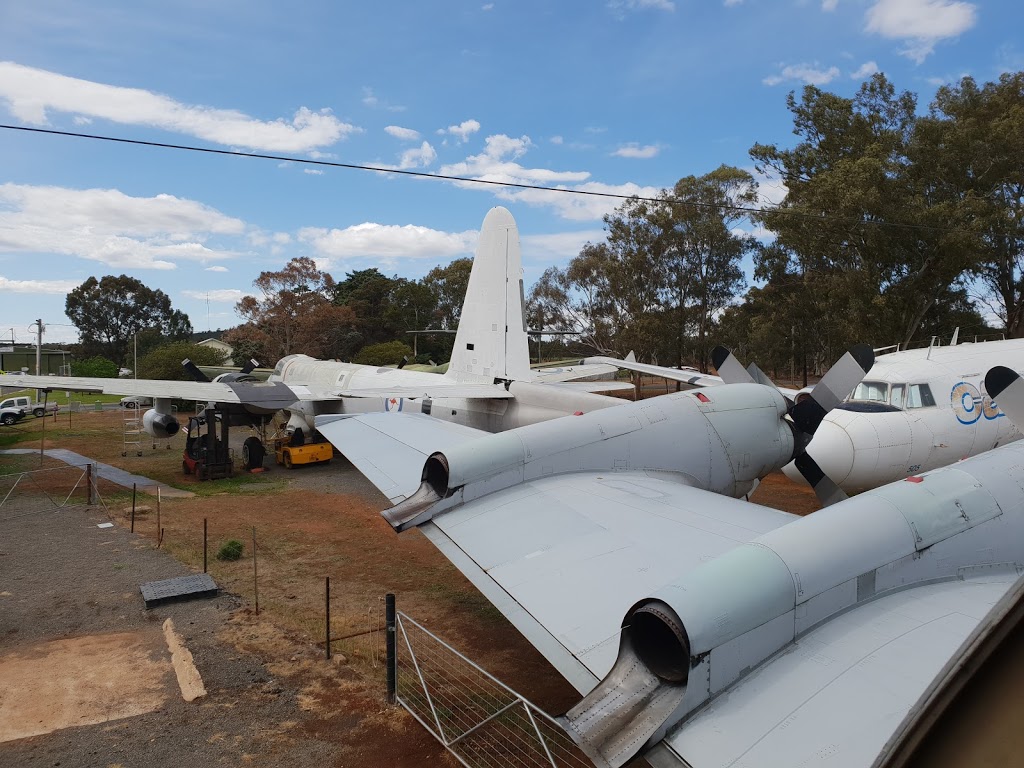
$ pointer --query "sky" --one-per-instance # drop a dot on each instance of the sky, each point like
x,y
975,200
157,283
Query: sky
x,y
619,96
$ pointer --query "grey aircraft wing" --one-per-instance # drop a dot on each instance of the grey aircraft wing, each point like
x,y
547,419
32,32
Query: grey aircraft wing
x,y
391,448
564,557
264,394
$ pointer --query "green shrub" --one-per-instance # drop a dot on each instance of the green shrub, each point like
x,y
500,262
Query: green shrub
x,y
232,550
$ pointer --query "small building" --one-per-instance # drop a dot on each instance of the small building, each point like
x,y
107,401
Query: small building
x,y
226,349
14,358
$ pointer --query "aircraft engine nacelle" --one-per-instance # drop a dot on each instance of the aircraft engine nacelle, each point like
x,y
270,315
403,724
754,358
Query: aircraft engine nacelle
x,y
158,422
720,439
724,618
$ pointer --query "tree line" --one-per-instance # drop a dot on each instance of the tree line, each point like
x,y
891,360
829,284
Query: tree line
x,y
298,309
897,225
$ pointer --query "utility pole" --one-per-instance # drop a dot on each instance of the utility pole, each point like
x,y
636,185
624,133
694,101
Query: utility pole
x,y
39,344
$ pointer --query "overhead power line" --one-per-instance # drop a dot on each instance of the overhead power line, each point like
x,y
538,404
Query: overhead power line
x,y
470,180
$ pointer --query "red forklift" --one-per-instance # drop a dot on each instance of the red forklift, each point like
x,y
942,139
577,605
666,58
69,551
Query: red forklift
x,y
207,455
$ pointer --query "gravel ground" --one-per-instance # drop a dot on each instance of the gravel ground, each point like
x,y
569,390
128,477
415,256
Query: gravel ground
x,y
61,576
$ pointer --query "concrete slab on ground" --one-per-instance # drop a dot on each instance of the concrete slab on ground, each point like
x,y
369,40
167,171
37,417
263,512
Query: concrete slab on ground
x,y
107,472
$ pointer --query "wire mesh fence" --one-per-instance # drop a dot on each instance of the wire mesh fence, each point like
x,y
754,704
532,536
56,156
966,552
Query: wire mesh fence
x,y
481,721
46,490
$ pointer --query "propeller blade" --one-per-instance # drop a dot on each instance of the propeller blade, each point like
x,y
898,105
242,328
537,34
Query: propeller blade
x,y
249,367
760,376
729,368
835,386
1006,389
826,490
193,370
405,360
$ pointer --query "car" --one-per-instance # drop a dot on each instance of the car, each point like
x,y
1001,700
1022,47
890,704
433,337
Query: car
x,y
26,406
9,416
136,401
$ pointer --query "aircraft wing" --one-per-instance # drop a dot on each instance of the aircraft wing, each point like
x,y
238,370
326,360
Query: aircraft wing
x,y
391,448
260,393
575,372
687,376
564,557
434,391
838,694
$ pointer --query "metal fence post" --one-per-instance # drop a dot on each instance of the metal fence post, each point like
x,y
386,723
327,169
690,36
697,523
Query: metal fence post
x,y
327,613
392,646
204,545
90,485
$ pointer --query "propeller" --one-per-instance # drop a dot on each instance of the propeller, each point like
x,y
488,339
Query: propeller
x,y
1005,386
405,360
729,368
835,386
193,370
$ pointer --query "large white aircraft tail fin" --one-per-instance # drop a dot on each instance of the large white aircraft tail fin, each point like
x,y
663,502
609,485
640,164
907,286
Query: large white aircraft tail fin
x,y
491,342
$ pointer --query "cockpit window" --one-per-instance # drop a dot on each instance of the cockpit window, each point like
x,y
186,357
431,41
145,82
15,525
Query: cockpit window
x,y
919,396
279,368
896,395
872,391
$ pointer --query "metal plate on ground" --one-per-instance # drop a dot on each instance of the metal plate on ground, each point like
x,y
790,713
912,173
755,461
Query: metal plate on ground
x,y
180,588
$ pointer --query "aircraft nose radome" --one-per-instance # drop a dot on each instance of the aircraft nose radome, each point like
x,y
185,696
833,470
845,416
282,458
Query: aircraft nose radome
x,y
832,449
498,217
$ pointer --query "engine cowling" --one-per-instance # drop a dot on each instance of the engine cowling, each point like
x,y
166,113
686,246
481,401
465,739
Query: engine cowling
x,y
162,425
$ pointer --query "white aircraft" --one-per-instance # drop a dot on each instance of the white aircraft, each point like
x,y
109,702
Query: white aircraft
x,y
705,631
915,411
489,384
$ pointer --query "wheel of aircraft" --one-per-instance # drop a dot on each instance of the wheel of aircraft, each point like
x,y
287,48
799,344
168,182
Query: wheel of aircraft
x,y
252,453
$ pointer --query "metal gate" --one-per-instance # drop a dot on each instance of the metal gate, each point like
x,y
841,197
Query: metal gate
x,y
46,490
481,721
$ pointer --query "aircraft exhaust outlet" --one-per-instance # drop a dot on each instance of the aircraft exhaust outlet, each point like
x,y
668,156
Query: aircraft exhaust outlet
x,y
159,424
433,488
660,641
631,705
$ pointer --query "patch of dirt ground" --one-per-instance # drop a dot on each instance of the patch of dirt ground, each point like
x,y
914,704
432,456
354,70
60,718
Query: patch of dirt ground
x,y
273,698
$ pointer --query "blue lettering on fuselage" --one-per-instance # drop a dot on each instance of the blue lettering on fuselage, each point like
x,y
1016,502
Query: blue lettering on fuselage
x,y
969,404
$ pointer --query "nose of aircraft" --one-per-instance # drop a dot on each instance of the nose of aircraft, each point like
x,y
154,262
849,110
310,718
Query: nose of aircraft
x,y
832,449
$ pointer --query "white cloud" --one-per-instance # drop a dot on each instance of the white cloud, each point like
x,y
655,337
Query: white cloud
x,y
580,207
864,71
922,23
313,171
463,130
57,287
217,268
829,5
107,226
232,295
418,157
803,72
388,241
405,134
368,98
636,151
487,7
557,140
495,163
30,93
730,3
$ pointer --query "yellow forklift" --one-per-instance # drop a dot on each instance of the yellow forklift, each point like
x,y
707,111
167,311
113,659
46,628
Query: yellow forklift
x,y
293,450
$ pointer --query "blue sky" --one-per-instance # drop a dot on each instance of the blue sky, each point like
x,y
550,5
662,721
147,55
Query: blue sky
x,y
623,96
